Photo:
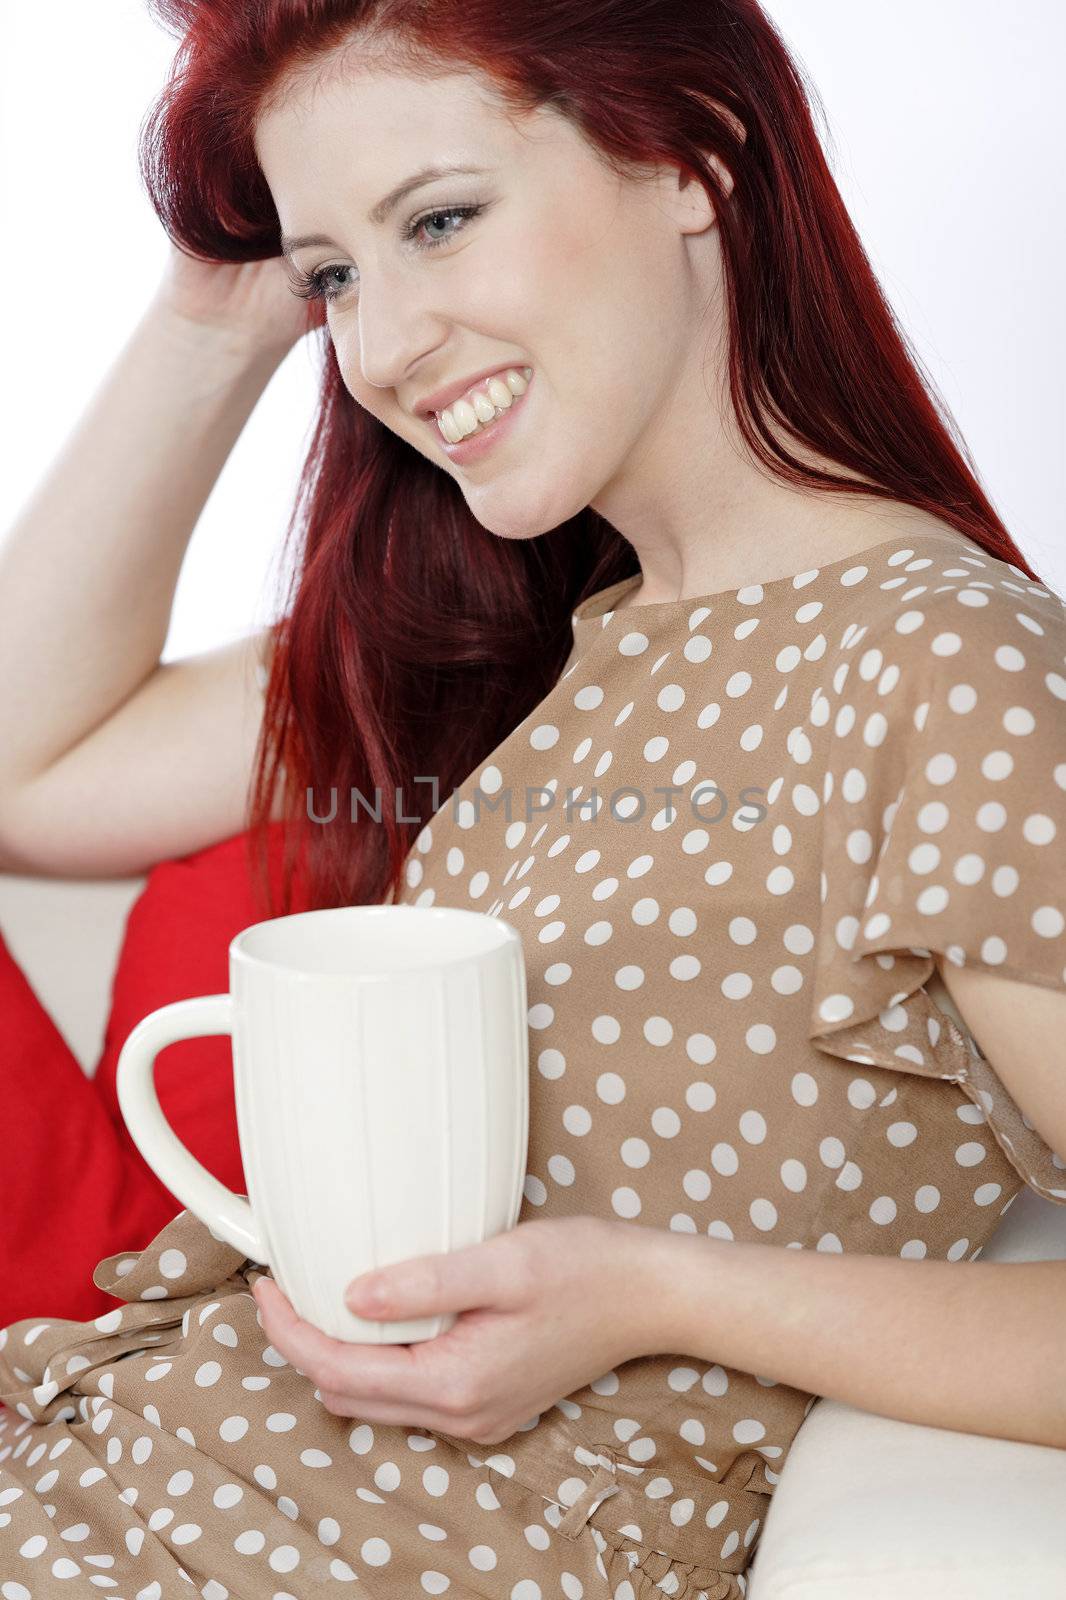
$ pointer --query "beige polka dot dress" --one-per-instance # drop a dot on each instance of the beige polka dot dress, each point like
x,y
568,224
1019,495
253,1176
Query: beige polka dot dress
x,y
752,821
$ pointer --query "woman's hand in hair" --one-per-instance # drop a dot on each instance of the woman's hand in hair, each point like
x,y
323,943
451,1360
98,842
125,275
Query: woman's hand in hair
x,y
248,304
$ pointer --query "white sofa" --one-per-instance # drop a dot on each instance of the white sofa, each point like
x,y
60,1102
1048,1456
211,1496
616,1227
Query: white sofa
x,y
867,1508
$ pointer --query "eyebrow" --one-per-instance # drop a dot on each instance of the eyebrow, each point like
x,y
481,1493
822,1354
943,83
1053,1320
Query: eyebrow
x,y
384,208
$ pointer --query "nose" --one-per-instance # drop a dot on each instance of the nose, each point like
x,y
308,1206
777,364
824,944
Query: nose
x,y
396,326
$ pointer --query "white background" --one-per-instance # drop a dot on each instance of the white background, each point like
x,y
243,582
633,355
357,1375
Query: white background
x,y
945,131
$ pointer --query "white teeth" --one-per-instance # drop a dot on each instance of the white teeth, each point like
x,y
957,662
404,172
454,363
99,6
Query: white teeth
x,y
464,417
500,394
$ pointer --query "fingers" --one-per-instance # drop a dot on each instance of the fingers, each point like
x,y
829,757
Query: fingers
x,y
379,1383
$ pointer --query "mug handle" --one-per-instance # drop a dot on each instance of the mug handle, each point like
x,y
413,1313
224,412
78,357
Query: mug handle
x,y
226,1214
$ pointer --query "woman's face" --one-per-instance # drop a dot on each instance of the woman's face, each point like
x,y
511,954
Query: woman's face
x,y
596,283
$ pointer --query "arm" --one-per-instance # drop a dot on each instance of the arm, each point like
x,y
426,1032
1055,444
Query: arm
x,y
88,572
976,1346
979,1347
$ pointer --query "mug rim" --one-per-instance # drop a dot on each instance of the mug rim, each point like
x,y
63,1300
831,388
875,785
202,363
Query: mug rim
x,y
238,952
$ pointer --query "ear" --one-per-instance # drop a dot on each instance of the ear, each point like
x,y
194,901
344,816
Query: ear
x,y
696,206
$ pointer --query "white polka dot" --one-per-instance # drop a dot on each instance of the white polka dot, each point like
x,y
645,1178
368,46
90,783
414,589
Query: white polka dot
x,y
875,729
836,1008
798,939
286,1558
805,800
923,858
1048,922
1038,828
1018,720
933,817
909,621
997,765
1004,881
962,698
761,1038
172,1263
1009,658
993,950
946,644
932,899
940,768
853,787
969,868
736,986
859,846
991,816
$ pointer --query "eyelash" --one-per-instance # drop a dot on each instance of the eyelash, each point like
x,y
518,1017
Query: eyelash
x,y
312,286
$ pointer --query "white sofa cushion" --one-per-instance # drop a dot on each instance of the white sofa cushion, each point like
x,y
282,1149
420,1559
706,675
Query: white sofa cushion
x,y
869,1508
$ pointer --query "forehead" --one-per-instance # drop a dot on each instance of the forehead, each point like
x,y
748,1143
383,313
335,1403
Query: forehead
x,y
372,119
337,136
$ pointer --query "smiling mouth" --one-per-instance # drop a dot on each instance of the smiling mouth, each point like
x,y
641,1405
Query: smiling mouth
x,y
484,405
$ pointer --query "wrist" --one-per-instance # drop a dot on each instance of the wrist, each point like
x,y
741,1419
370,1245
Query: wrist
x,y
664,1282
214,345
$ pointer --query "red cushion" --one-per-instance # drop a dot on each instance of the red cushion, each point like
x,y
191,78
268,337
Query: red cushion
x,y
74,1188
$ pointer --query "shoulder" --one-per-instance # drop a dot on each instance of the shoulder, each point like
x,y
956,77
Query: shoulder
x,y
952,623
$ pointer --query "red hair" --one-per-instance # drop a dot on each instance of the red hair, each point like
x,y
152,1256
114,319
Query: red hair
x,y
414,640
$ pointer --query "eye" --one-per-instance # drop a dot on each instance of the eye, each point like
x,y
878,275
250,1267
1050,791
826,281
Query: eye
x,y
316,285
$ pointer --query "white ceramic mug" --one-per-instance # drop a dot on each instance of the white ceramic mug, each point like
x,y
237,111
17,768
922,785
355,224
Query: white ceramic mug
x,y
381,1078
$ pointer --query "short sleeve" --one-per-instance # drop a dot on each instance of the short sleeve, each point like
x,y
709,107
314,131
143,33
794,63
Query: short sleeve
x,y
944,832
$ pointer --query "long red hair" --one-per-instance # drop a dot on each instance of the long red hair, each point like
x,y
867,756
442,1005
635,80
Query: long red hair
x,y
413,640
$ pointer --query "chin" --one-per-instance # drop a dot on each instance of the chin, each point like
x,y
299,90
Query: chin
x,y
521,527
514,517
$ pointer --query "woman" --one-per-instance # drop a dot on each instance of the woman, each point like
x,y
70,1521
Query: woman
x,y
708,538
